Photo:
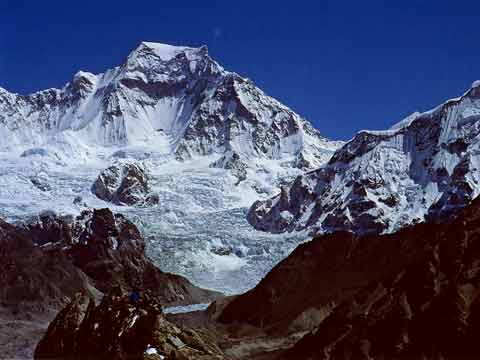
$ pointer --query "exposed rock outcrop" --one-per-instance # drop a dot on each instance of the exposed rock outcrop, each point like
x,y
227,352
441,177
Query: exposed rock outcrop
x,y
125,184
35,282
233,162
110,250
120,329
35,278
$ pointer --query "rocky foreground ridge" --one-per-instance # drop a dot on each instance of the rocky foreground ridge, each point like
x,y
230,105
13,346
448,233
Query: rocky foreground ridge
x,y
120,329
43,264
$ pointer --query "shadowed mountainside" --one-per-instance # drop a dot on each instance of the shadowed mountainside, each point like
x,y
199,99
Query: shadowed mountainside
x,y
409,295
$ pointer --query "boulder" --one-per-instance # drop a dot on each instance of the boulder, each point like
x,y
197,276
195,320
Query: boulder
x,y
125,184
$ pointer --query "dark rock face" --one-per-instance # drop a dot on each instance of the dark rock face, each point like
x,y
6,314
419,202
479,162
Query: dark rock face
x,y
35,282
408,295
427,309
33,277
318,275
119,329
60,340
49,228
111,251
125,184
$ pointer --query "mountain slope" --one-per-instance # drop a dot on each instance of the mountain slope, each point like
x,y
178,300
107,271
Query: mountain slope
x,y
413,294
424,167
428,309
178,98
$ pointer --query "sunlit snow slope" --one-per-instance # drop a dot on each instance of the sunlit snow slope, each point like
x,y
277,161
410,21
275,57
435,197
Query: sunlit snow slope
x,y
213,142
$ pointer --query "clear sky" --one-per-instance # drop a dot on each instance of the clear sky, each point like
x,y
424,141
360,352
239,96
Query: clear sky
x,y
344,65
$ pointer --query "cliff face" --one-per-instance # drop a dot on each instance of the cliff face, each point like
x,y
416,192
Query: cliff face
x,y
319,274
110,251
33,277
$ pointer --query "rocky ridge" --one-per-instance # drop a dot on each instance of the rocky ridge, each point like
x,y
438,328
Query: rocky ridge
x,y
425,167
120,329
428,309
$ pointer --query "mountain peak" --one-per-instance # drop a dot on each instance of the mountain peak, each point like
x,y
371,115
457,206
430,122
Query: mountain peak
x,y
84,76
163,90
167,52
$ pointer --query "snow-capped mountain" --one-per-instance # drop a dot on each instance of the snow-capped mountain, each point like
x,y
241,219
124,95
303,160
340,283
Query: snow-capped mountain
x,y
426,166
178,98
207,144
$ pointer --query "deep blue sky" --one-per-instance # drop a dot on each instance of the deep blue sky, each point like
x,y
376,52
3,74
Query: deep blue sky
x,y
345,65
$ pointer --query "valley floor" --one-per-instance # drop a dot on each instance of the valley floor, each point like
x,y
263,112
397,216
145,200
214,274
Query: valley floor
x,y
19,335
238,341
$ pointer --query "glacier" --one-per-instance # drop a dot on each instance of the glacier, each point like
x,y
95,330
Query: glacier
x,y
201,210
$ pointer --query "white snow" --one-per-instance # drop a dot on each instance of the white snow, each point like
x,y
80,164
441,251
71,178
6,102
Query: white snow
x,y
406,121
200,208
150,350
165,51
185,308
133,320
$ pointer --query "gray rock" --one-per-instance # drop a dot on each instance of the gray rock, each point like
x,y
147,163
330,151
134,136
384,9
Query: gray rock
x,y
41,183
125,184
232,161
